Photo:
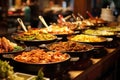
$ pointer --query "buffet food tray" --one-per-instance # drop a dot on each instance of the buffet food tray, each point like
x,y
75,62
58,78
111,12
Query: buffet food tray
x,y
27,76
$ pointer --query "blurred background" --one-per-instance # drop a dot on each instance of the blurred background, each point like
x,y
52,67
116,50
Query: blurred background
x,y
10,10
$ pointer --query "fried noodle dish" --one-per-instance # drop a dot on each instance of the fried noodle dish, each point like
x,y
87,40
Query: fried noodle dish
x,y
39,56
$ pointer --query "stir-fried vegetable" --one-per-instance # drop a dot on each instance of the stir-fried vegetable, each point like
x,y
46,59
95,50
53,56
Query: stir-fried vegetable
x,y
37,36
7,72
40,75
98,32
17,48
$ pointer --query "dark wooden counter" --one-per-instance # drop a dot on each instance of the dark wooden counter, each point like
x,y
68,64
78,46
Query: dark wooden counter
x,y
105,68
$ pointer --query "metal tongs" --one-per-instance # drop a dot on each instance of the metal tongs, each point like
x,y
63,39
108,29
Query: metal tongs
x,y
80,16
67,17
22,24
60,19
76,18
89,14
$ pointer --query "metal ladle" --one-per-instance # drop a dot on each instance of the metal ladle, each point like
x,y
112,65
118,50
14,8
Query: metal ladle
x,y
22,24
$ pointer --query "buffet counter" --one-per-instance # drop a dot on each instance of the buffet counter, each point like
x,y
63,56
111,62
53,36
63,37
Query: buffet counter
x,y
104,68
98,61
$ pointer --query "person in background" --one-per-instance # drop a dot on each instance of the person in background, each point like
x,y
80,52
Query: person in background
x,y
27,12
51,12
34,13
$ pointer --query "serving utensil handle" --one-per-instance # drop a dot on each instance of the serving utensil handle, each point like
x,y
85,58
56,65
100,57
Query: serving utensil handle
x,y
43,21
89,14
22,24
81,16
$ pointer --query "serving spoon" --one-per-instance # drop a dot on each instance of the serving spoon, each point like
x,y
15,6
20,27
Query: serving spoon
x,y
22,24
43,21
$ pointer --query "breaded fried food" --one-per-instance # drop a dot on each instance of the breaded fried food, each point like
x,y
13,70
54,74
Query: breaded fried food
x,y
6,44
2,50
